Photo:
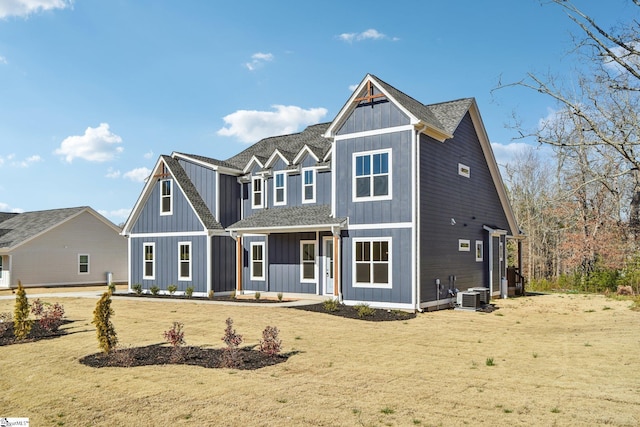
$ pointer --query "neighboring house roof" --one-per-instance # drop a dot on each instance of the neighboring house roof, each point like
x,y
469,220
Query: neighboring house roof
x,y
23,227
207,160
287,145
191,193
289,218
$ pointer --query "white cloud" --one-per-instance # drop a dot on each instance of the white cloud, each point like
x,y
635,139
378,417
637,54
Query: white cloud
x,y
25,8
258,60
96,145
118,214
506,153
138,174
5,207
113,173
3,60
370,34
27,162
148,154
252,126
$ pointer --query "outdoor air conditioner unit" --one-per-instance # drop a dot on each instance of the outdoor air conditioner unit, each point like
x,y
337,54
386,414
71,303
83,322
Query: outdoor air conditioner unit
x,y
485,295
468,300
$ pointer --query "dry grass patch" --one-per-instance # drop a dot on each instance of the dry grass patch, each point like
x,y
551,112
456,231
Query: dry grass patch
x,y
430,370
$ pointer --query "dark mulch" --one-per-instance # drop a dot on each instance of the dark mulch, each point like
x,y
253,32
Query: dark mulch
x,y
350,312
37,333
222,298
158,354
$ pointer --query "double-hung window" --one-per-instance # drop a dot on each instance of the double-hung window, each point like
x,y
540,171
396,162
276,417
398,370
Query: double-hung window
x,y
372,175
308,261
257,261
279,188
372,262
184,261
256,192
308,185
149,261
166,199
83,264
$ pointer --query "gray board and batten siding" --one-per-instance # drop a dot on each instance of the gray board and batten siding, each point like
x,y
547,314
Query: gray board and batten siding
x,y
471,202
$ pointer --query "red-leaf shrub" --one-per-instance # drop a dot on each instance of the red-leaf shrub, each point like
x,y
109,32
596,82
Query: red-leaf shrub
x,y
270,344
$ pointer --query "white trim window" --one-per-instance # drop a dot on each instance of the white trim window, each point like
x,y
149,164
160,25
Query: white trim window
x,y
308,264
149,261
166,197
279,188
372,266
184,261
256,265
308,185
372,175
464,245
479,250
83,264
257,201
464,170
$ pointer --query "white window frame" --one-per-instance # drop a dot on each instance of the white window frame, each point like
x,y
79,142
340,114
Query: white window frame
x,y
80,264
371,176
152,245
283,188
252,275
464,170
164,196
181,261
315,261
255,205
371,263
303,174
464,245
479,250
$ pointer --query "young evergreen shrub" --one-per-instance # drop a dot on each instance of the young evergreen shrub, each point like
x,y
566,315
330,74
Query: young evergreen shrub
x,y
189,291
21,322
172,289
137,288
257,295
364,310
330,305
270,344
211,294
105,332
279,296
231,355
154,290
112,287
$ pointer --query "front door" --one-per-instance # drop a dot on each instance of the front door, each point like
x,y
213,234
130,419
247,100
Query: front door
x,y
328,266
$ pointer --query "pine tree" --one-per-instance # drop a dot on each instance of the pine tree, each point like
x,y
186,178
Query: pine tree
x,y
21,322
105,332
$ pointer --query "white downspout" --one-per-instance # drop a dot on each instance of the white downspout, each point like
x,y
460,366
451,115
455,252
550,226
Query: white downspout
x,y
415,160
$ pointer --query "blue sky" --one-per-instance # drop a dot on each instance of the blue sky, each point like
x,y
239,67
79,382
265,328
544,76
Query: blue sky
x,y
92,92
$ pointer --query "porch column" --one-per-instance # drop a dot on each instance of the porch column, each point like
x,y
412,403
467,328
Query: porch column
x,y
239,264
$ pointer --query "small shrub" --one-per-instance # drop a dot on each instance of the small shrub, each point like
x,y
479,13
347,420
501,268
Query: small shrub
x,y
154,290
233,294
489,361
279,296
188,292
21,322
387,411
270,344
330,305
175,335
257,295
624,290
137,288
231,356
364,310
5,322
211,294
105,332
49,316
172,289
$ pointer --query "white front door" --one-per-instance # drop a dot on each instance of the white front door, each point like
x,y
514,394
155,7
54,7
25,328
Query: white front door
x,y
328,266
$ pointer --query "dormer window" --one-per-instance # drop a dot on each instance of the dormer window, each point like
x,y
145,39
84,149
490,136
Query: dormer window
x,y
256,192
166,197
308,185
279,188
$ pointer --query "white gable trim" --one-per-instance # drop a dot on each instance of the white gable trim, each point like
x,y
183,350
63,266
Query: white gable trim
x,y
221,169
304,150
274,157
253,160
142,199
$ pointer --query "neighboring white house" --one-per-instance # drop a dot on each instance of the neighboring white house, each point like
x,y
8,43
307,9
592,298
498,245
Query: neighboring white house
x,y
71,246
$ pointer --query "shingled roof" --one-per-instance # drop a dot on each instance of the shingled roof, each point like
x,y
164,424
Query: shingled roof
x,y
289,218
19,228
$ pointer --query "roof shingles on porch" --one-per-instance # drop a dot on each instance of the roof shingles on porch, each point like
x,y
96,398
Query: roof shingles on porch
x,y
290,217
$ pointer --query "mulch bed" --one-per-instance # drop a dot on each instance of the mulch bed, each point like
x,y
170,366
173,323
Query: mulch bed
x,y
37,333
222,298
350,312
158,354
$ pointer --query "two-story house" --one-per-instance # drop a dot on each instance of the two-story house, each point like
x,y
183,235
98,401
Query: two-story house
x,y
392,204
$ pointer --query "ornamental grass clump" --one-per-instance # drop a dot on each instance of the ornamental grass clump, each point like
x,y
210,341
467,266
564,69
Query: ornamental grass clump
x,y
364,310
330,305
105,332
231,355
21,322
172,289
